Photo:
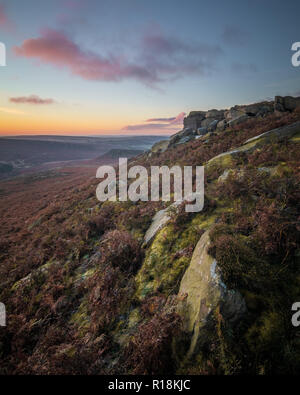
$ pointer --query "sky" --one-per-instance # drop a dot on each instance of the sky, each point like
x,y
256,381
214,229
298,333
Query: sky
x,y
85,67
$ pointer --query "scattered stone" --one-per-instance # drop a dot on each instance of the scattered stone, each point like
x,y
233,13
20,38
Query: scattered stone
x,y
159,221
222,125
202,131
213,126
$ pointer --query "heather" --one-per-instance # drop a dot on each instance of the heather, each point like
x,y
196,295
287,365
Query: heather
x,y
85,295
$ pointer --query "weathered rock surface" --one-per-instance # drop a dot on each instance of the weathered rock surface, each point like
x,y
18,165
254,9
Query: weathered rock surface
x,y
209,119
222,125
159,221
208,122
182,137
275,135
237,121
250,110
202,292
215,114
199,123
202,131
233,113
225,159
194,119
286,103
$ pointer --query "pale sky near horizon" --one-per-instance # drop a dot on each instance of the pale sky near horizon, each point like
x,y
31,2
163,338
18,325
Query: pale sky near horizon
x,y
137,66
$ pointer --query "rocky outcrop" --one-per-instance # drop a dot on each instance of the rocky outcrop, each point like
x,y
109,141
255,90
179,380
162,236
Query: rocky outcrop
x,y
184,136
286,103
199,123
237,121
194,120
252,110
220,119
225,160
202,292
215,114
276,135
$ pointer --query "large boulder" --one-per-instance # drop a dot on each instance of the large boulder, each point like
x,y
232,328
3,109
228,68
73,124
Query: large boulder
x,y
286,103
222,125
202,292
256,109
215,114
194,119
182,137
237,121
202,131
207,122
213,126
233,113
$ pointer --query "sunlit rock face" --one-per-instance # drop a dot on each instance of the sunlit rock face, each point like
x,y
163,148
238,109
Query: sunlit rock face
x,y
202,292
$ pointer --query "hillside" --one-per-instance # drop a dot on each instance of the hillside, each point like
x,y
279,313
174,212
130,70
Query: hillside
x,y
146,288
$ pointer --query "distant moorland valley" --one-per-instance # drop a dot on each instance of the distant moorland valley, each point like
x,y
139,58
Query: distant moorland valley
x,y
19,154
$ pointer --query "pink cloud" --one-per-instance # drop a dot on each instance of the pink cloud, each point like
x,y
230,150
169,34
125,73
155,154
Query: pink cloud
x,y
161,119
56,48
179,118
158,58
33,99
172,120
168,124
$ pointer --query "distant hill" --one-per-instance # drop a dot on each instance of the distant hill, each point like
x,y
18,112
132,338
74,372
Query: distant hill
x,y
120,153
28,151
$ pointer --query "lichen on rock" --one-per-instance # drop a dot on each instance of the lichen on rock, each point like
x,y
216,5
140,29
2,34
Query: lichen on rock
x,y
202,291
